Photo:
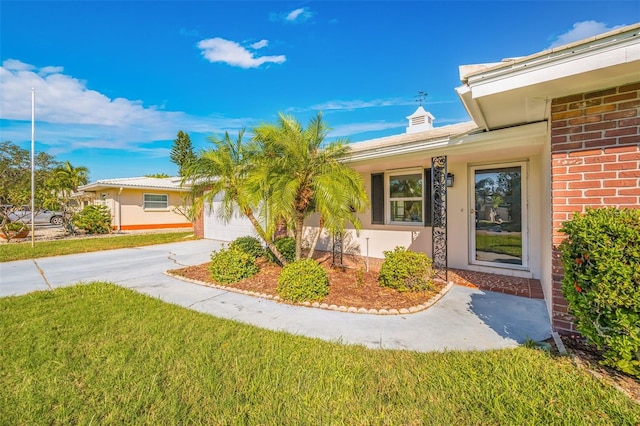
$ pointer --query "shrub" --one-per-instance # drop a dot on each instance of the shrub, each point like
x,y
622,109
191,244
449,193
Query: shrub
x,y
302,281
601,257
15,227
287,248
94,219
250,245
231,265
405,270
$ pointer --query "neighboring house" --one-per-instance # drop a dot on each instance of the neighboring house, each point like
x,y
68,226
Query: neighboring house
x,y
140,202
551,134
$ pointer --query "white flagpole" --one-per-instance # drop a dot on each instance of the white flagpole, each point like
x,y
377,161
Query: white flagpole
x,y
33,164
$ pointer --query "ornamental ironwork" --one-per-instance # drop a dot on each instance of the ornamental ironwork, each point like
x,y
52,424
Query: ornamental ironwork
x,y
439,216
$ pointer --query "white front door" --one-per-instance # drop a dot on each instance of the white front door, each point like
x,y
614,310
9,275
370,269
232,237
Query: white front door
x,y
499,220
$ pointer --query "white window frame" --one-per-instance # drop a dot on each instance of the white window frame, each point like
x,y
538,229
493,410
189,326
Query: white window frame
x,y
388,199
144,202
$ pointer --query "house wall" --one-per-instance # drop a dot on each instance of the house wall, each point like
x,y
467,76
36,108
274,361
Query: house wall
x,y
595,155
374,239
127,210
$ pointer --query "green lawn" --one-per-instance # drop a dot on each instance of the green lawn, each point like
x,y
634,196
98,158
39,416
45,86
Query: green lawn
x,y
99,353
20,251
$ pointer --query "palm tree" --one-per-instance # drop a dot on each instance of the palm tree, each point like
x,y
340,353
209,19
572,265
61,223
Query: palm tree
x,y
69,178
305,175
225,170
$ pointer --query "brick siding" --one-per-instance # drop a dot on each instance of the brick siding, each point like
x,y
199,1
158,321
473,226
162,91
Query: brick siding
x,y
595,154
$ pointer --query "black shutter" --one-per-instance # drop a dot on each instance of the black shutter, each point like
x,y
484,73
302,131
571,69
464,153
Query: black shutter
x,y
426,197
377,198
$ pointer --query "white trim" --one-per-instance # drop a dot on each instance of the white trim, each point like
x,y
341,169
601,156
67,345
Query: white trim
x,y
517,136
387,196
154,209
524,199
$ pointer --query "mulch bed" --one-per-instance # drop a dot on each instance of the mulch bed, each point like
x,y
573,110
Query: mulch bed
x,y
588,357
351,286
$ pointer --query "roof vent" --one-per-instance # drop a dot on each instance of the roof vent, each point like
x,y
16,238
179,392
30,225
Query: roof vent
x,y
420,121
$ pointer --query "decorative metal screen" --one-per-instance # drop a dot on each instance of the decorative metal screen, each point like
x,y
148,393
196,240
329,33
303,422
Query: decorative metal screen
x,y
439,216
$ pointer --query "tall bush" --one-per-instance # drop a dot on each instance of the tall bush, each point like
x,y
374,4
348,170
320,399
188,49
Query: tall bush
x,y
601,257
94,219
406,270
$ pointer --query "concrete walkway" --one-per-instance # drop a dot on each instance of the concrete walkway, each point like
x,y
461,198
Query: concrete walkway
x,y
464,319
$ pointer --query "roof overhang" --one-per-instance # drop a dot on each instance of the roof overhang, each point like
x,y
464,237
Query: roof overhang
x,y
519,91
528,136
100,186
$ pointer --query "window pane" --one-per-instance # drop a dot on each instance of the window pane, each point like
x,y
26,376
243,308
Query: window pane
x,y
498,221
406,211
156,201
155,197
405,186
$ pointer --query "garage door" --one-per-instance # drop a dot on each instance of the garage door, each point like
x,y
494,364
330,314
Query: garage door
x,y
219,229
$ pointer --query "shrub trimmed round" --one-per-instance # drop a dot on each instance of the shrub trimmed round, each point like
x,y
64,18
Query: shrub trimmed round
x,y
406,270
303,281
250,245
231,265
601,258
287,248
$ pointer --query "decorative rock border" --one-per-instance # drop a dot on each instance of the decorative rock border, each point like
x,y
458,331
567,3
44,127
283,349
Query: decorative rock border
x,y
317,305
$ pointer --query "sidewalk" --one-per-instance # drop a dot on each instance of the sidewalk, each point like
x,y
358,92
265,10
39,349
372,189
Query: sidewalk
x,y
464,319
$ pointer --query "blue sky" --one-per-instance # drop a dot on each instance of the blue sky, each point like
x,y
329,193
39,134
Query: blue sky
x,y
116,81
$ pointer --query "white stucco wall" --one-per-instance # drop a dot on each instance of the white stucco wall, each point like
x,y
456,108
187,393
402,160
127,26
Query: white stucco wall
x,y
379,238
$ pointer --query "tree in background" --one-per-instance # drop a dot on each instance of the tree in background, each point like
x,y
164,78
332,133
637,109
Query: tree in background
x,y
69,178
15,177
182,152
55,182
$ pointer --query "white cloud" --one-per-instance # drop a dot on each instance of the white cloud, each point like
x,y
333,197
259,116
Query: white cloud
x,y
351,129
359,104
299,15
351,105
71,116
260,44
582,30
229,52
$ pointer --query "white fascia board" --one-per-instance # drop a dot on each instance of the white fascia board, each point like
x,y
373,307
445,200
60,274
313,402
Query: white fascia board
x,y
396,150
554,66
474,111
98,186
528,134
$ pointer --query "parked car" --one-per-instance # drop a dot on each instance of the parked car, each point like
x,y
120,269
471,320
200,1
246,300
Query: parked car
x,y
42,217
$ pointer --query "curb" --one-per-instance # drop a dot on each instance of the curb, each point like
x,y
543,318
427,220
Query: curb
x,y
325,306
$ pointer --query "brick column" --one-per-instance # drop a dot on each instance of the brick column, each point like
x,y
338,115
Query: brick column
x,y
595,154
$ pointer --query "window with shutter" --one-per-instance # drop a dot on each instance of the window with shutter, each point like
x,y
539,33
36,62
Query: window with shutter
x,y
377,198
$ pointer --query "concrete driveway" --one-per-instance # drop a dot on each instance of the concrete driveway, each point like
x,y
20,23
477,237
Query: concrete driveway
x,y
464,319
